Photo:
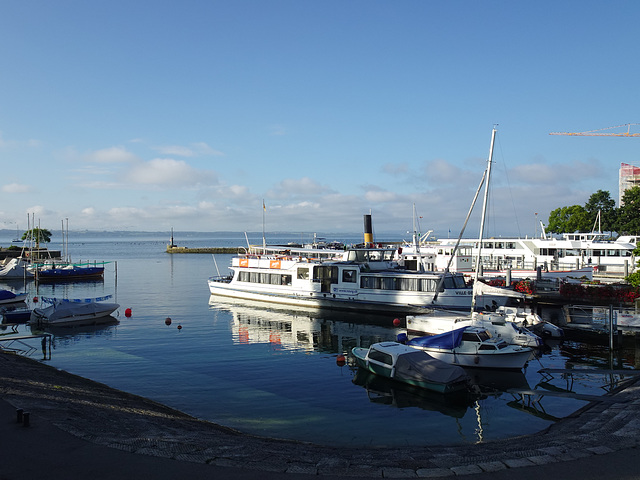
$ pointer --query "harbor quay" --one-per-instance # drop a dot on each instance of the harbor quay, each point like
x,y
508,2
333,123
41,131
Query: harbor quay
x,y
60,425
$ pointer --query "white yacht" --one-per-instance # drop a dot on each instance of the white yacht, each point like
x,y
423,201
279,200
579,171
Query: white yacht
x,y
356,278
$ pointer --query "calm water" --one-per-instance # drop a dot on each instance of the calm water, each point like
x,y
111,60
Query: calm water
x,y
271,371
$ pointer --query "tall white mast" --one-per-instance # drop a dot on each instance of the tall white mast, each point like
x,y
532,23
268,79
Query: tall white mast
x,y
484,214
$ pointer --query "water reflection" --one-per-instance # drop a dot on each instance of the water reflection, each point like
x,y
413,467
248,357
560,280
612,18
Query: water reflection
x,y
305,328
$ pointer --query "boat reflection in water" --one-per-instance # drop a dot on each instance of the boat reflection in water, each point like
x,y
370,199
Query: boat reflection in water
x,y
307,329
385,391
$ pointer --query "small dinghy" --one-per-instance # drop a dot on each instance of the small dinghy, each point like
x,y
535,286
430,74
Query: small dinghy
x,y
74,313
409,365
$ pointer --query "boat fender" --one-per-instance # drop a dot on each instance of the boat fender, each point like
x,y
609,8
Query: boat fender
x,y
476,359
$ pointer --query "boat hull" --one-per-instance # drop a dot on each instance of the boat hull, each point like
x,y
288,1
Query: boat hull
x,y
506,361
355,302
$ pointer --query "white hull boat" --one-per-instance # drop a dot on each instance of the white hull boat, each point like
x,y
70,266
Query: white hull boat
x,y
74,313
407,365
473,347
497,324
360,279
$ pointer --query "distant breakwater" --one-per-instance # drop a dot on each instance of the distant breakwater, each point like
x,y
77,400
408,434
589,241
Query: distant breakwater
x,y
176,249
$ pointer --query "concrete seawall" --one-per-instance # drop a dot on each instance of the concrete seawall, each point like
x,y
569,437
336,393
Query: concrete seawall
x,y
176,249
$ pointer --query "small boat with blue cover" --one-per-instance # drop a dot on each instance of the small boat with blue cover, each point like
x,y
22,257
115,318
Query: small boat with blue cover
x,y
473,347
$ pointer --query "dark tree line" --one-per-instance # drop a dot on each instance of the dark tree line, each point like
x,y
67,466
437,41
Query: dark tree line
x,y
624,220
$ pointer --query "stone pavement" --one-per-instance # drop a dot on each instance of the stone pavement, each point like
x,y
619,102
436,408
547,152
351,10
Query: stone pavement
x,y
143,431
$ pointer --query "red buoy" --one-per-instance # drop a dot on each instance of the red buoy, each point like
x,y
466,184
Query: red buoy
x,y
396,322
179,327
340,360
127,312
35,299
167,321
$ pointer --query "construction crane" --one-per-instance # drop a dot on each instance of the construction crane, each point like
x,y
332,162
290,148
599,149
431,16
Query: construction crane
x,y
596,133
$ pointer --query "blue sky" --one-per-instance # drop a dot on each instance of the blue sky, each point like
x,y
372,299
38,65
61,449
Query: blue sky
x,y
149,115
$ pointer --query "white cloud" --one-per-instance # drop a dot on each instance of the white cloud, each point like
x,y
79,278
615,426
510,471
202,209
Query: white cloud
x,y
16,188
193,150
110,155
297,186
168,172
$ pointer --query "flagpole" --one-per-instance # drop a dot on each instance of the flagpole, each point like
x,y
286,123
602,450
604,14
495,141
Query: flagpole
x,y
264,241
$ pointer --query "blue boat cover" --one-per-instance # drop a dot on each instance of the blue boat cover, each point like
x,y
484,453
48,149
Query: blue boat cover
x,y
6,295
446,340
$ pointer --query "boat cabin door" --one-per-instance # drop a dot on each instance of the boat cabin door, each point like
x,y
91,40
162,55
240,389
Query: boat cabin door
x,y
326,275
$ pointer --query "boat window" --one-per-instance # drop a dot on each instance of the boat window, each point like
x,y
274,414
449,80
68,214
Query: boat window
x,y
459,281
484,335
285,280
428,285
380,357
303,274
388,283
349,276
469,337
487,347
408,284
448,283
502,345
368,281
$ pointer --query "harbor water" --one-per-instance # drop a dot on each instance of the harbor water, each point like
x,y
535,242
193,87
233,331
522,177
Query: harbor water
x,y
273,371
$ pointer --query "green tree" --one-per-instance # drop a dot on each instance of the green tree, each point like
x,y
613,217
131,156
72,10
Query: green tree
x,y
602,202
568,220
39,235
629,212
634,278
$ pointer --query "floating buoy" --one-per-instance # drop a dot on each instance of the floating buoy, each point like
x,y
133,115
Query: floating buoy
x,y
167,321
35,299
127,312
179,327
396,322
340,360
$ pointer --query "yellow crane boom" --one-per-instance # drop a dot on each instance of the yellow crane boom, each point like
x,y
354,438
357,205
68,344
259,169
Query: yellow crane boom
x,y
597,133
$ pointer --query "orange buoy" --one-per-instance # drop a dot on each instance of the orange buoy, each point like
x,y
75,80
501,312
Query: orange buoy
x,y
396,322
340,360
167,321
127,312
179,327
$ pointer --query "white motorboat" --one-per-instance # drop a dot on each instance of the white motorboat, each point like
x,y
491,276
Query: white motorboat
x,y
473,347
497,323
69,313
408,365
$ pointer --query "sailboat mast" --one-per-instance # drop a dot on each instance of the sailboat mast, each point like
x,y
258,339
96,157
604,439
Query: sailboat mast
x,y
484,215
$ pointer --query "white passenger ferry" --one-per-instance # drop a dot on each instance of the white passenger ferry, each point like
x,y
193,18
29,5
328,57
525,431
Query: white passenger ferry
x,y
577,252
356,278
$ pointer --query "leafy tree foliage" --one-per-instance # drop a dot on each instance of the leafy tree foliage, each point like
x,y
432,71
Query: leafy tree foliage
x,y
39,235
629,212
634,278
602,202
568,219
